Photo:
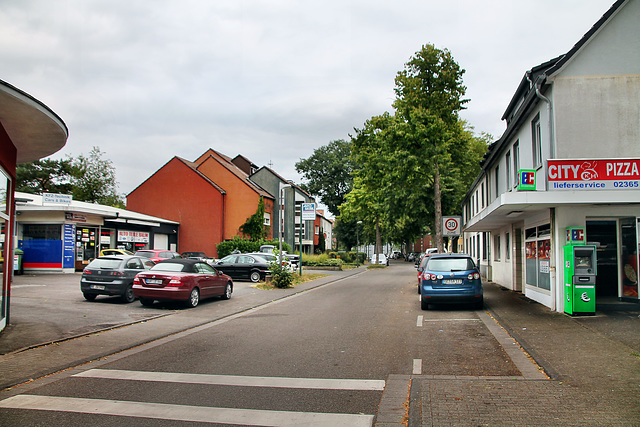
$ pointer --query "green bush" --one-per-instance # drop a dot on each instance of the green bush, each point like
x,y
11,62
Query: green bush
x,y
244,245
281,277
321,260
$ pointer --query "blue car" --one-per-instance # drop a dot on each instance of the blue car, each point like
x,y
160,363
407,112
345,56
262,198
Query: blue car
x,y
450,279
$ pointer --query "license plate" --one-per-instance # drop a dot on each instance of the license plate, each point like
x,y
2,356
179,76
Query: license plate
x,y
97,287
452,281
154,281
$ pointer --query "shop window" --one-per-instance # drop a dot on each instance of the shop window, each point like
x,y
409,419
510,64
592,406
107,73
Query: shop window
x,y
41,232
4,194
538,256
496,248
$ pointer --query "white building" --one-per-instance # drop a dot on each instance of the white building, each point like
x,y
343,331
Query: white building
x,y
573,138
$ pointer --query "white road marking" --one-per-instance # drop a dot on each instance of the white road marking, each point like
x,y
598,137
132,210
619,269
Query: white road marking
x,y
452,320
417,366
26,286
249,417
420,320
236,380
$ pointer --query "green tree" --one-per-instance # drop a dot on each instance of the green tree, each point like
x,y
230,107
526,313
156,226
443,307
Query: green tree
x,y
328,173
429,96
45,176
254,226
94,180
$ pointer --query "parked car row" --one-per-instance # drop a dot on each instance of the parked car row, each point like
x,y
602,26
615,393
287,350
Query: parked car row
x,y
170,279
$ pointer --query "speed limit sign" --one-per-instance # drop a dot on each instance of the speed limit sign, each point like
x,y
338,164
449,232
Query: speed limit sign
x,y
451,225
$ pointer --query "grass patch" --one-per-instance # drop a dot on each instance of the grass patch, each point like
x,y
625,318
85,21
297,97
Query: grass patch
x,y
297,279
374,266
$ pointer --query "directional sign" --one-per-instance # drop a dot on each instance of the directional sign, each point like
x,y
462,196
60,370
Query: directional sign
x,y
308,211
451,225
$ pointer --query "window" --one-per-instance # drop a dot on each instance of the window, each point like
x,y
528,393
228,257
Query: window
x,y
485,249
516,161
482,194
538,258
536,142
267,219
497,181
507,244
508,170
317,230
496,248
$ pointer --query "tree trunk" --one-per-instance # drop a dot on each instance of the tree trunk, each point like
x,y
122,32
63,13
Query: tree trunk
x,y
378,239
438,202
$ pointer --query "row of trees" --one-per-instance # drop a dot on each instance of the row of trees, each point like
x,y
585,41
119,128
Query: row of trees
x,y
89,178
402,171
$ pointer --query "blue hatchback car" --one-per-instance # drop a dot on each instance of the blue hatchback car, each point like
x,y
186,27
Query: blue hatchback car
x,y
450,279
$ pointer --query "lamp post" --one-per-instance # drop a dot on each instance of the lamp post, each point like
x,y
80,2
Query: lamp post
x,y
281,218
357,236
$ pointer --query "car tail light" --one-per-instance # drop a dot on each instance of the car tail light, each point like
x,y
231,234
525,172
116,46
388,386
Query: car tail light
x,y
427,276
87,271
175,282
473,276
117,273
136,281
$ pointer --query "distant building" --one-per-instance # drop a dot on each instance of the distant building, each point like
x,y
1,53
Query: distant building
x,y
569,158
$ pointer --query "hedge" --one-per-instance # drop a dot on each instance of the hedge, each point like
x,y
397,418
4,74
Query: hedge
x,y
243,245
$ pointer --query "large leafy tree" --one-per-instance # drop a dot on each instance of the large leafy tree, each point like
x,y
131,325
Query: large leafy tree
x,y
327,173
45,176
95,179
429,96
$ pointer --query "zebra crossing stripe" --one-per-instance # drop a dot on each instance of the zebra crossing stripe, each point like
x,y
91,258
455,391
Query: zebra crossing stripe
x,y
249,417
235,380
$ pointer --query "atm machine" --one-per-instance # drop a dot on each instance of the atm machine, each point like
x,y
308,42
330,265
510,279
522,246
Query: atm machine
x,y
579,274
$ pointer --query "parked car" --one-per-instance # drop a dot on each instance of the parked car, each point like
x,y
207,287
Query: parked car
x,y
200,256
270,249
450,279
274,258
427,253
244,267
382,259
421,267
107,252
187,280
112,275
157,255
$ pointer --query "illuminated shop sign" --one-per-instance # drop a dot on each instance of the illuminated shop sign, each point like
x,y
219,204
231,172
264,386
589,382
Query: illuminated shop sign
x,y
597,174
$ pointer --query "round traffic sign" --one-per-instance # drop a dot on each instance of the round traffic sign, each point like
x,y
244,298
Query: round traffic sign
x,y
451,224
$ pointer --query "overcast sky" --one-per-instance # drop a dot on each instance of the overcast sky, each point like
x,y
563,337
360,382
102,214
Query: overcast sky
x,y
271,80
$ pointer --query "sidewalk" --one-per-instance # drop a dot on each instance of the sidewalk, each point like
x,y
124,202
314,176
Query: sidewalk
x,y
594,372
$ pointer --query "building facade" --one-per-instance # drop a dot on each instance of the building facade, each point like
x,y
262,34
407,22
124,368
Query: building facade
x,y
569,158
29,131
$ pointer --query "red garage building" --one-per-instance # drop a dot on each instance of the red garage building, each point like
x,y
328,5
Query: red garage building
x,y
210,198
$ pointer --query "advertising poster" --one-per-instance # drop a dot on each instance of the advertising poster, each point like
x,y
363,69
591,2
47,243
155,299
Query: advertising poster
x,y
68,246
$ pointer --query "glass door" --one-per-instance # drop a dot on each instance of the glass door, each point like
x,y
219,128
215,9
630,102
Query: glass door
x,y
604,235
629,251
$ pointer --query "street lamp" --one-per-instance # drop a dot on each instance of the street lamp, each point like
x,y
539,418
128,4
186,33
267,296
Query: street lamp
x,y
281,218
357,236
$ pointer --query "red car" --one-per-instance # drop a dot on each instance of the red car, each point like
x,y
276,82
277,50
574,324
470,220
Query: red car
x,y
156,255
181,279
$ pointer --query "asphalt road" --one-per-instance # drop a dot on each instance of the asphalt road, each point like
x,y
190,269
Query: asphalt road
x,y
322,356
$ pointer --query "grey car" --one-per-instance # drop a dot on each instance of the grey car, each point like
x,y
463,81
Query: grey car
x,y
112,275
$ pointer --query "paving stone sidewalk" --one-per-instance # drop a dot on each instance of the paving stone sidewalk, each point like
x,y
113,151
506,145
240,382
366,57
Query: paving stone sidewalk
x,y
594,374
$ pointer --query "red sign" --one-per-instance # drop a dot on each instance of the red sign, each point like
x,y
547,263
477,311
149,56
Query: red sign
x,y
596,174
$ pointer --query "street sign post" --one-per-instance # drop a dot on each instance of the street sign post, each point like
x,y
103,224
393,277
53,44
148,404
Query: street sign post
x,y
451,225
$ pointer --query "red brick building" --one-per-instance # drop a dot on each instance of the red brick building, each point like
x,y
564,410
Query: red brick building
x,y
210,198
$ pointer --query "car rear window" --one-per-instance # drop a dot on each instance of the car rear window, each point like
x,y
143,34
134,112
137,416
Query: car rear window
x,y
450,264
145,254
168,266
105,263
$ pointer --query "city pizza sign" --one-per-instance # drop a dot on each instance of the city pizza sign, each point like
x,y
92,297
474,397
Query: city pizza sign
x,y
600,174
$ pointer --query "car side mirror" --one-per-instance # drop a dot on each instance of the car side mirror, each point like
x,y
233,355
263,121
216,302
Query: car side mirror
x,y
420,269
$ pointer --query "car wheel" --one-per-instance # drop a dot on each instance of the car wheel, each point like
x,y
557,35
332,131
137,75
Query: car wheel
x,y
194,298
89,297
227,291
146,302
255,276
128,296
424,304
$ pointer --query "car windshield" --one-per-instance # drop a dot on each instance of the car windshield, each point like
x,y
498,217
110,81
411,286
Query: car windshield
x,y
450,264
168,266
145,254
110,263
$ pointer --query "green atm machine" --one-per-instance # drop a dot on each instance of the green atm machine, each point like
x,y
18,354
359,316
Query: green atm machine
x,y
579,274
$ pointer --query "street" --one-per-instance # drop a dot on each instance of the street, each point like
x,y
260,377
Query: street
x,y
321,356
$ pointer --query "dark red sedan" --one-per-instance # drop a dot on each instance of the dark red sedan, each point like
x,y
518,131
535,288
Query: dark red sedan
x,y
179,279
